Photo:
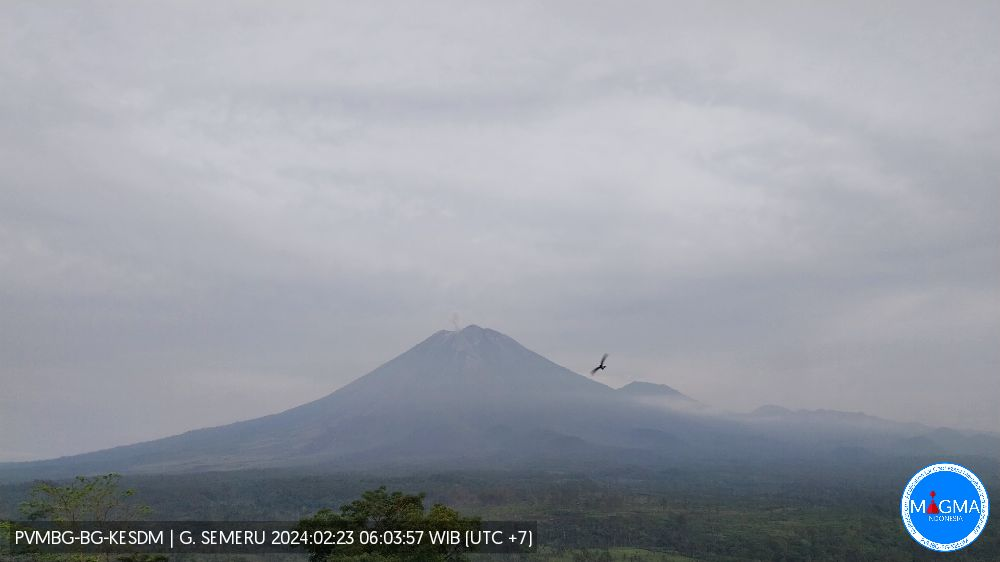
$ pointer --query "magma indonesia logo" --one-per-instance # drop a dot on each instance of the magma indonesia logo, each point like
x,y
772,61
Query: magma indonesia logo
x,y
945,507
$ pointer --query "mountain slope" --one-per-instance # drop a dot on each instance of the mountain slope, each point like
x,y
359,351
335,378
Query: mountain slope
x,y
465,396
474,398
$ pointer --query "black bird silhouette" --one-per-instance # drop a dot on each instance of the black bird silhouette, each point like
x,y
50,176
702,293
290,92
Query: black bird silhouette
x,y
600,367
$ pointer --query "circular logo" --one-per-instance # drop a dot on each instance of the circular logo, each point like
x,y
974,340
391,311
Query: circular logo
x,y
945,507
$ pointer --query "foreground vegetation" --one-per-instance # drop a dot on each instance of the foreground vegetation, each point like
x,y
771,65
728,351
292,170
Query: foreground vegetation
x,y
782,512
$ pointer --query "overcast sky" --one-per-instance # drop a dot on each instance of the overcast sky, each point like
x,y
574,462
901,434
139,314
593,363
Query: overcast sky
x,y
211,211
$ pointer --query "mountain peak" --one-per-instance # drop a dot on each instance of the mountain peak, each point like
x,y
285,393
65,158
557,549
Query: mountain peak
x,y
653,391
473,365
474,331
648,388
471,337
772,410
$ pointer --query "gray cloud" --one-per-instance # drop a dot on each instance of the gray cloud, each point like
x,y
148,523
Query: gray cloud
x,y
210,213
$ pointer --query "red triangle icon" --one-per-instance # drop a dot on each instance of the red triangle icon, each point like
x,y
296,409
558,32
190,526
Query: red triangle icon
x,y
932,508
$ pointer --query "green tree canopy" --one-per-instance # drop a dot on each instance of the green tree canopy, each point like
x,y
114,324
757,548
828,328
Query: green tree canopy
x,y
97,498
379,512
84,499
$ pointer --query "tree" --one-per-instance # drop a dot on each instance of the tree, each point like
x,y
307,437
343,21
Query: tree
x,y
379,512
86,499
95,498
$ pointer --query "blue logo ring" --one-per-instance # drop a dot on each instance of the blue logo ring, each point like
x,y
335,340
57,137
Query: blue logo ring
x,y
935,528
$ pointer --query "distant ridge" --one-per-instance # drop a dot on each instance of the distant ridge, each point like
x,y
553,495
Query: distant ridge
x,y
825,415
652,390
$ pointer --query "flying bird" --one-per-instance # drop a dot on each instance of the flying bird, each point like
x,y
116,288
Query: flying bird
x,y
600,367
